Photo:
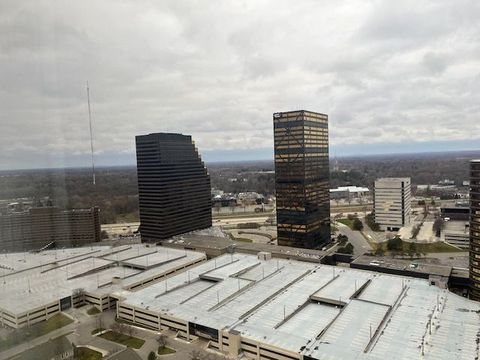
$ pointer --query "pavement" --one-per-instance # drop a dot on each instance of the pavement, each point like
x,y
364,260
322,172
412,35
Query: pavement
x,y
79,333
360,245
374,236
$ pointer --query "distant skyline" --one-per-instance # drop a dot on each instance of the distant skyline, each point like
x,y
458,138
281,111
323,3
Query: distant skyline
x,y
393,76
213,156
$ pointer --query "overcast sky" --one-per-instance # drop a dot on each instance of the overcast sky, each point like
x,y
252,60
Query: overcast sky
x,y
392,75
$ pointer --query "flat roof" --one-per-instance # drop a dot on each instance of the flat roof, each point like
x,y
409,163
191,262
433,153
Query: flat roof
x,y
403,265
37,279
394,179
294,305
222,244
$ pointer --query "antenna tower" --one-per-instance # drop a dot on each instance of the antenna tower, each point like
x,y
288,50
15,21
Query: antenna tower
x,y
91,133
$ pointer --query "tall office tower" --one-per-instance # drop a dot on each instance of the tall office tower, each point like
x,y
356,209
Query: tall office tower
x,y
173,186
302,178
392,203
475,229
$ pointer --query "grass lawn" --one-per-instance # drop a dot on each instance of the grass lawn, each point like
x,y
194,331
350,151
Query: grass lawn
x,y
347,222
165,350
243,239
123,339
83,353
24,335
97,331
436,247
93,311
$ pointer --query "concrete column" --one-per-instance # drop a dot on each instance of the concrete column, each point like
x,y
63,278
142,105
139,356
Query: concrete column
x,y
234,343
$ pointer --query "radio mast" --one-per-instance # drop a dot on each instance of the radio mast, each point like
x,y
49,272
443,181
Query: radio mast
x,y
91,134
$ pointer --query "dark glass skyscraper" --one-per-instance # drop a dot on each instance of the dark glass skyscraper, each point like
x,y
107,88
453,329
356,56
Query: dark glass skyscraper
x,y
173,186
302,178
475,229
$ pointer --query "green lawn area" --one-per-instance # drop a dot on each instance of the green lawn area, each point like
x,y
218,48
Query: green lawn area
x,y
83,353
436,247
243,239
347,222
93,311
165,350
23,335
97,331
123,339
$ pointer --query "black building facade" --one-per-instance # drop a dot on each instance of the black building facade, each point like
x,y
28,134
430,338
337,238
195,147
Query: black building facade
x,y
173,186
302,178
475,229
38,227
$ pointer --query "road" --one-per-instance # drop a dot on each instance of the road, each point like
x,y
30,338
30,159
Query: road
x,y
360,245
240,220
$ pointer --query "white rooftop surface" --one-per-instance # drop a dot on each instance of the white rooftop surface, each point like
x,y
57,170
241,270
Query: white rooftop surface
x,y
271,302
186,257
26,260
131,252
36,284
155,258
352,189
383,289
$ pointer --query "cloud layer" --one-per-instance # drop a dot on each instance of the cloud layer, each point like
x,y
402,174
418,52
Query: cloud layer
x,y
384,71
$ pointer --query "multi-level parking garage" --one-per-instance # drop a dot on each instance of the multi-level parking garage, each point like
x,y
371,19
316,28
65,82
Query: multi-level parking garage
x,y
36,286
286,309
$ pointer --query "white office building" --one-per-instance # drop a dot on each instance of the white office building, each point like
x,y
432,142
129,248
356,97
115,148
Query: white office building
x,y
392,203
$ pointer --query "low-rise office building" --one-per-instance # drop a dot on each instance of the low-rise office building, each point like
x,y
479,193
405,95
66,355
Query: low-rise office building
x,y
392,200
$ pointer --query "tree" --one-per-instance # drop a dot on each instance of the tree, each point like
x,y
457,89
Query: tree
x,y
412,249
370,220
152,356
130,330
103,235
357,224
438,226
347,249
342,239
395,244
415,230
162,340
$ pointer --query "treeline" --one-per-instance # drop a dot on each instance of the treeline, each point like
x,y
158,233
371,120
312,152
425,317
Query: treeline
x,y
115,191
428,168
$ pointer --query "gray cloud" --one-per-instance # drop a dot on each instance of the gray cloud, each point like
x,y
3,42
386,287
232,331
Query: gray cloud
x,y
384,71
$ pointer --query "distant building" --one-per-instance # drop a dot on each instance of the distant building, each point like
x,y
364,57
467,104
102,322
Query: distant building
x,y
348,192
302,178
392,203
461,213
43,226
251,198
475,229
446,182
173,186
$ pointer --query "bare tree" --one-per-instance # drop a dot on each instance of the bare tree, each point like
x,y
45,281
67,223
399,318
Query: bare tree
x,y
131,330
99,321
116,327
162,340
